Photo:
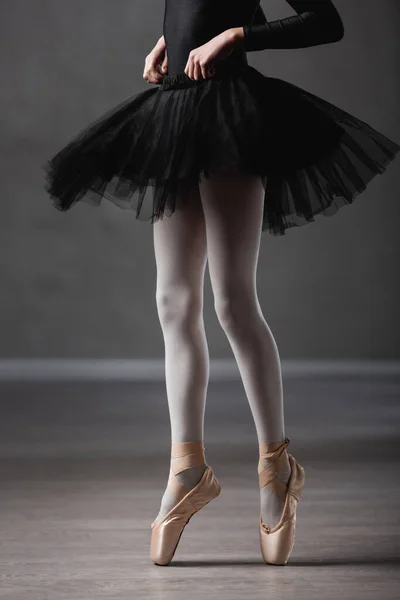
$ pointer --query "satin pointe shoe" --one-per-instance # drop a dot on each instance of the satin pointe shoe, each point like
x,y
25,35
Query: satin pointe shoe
x,y
166,534
277,542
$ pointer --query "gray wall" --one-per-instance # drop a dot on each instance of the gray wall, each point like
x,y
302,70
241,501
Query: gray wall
x,y
82,283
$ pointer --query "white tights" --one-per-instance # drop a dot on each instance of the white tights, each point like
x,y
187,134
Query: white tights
x,y
222,224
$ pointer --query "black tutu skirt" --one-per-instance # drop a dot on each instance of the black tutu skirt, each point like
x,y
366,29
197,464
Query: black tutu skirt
x,y
313,157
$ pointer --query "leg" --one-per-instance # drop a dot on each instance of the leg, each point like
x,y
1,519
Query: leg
x,y
233,206
181,257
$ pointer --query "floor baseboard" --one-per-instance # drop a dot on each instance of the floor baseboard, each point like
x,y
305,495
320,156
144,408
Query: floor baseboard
x,y
120,369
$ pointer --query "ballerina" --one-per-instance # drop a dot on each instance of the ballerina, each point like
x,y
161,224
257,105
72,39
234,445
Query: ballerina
x,y
225,153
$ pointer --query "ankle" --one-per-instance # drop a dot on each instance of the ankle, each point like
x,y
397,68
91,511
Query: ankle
x,y
274,457
187,459
186,455
188,462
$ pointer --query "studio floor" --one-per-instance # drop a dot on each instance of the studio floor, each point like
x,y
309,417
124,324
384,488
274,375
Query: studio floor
x,y
83,467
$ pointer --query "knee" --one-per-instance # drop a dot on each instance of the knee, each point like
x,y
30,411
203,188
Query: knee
x,y
234,307
178,306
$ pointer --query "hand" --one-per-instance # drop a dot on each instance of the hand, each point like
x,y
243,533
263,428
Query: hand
x,y
156,63
202,59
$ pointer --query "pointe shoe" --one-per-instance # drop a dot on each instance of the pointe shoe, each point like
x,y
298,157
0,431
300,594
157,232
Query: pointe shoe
x,y
277,542
166,534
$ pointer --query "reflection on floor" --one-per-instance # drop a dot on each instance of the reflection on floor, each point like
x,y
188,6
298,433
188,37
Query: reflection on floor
x,y
83,467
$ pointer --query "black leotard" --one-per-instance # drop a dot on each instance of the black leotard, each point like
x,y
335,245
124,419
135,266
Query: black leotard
x,y
191,23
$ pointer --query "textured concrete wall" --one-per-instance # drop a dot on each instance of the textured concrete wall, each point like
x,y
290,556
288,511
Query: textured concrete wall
x,y
83,283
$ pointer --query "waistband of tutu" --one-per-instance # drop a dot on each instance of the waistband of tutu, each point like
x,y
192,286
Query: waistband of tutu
x,y
222,69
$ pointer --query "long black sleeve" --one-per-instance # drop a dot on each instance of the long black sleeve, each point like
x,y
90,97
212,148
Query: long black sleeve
x,y
317,22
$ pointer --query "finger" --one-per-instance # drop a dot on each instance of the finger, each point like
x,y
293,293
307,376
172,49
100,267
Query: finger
x,y
164,65
151,71
150,79
197,71
189,68
203,70
151,75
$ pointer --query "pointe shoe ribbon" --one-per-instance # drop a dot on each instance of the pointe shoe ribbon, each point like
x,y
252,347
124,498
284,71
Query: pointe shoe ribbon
x,y
166,534
277,542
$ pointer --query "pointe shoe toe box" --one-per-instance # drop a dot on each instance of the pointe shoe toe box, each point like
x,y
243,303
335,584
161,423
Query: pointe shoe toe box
x,y
276,546
277,542
165,535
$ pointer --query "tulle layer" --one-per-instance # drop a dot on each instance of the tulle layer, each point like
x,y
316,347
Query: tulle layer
x,y
312,156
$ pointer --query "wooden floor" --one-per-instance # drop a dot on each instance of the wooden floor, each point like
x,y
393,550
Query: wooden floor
x,y
83,467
